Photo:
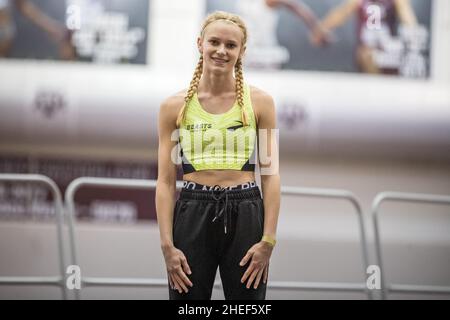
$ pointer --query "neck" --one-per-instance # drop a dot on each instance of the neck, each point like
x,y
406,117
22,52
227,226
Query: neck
x,y
217,84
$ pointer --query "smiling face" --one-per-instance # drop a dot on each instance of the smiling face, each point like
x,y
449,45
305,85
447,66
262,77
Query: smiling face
x,y
221,46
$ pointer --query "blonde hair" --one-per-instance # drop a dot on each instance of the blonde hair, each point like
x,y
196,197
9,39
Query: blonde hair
x,y
193,87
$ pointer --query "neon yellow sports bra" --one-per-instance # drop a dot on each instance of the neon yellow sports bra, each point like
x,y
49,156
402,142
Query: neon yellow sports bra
x,y
218,141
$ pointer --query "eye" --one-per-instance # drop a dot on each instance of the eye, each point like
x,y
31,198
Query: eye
x,y
231,45
213,42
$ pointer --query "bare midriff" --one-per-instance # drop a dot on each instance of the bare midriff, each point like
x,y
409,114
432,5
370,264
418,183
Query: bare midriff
x,y
223,178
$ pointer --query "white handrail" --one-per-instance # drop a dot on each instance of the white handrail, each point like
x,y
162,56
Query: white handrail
x,y
402,197
57,281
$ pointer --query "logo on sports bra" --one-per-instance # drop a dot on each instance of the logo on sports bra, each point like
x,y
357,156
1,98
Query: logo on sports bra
x,y
198,126
236,127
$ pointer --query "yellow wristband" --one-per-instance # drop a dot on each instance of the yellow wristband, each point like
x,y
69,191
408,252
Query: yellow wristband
x,y
269,240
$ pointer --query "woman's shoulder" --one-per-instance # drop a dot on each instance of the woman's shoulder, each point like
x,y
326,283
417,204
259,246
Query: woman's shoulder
x,y
262,101
173,103
259,95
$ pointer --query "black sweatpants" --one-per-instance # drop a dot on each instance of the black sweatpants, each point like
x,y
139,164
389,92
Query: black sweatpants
x,y
216,229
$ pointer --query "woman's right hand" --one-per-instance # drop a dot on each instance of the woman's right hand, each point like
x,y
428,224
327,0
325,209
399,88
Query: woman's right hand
x,y
177,269
320,36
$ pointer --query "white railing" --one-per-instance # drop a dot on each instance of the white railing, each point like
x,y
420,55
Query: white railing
x,y
57,199
76,184
403,197
151,184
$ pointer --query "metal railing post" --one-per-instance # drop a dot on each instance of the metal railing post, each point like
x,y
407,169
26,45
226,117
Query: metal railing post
x,y
71,190
402,197
58,281
340,194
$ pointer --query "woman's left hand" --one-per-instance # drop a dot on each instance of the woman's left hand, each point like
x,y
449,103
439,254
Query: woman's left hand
x,y
259,267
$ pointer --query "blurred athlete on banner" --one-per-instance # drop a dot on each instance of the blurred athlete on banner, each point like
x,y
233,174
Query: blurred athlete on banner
x,y
55,30
382,47
264,51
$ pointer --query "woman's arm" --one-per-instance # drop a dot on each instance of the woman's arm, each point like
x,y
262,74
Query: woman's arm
x,y
298,8
261,252
176,263
55,29
334,19
165,186
269,164
340,14
405,12
305,13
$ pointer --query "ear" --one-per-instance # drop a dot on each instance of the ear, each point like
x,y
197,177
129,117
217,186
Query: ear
x,y
242,53
199,45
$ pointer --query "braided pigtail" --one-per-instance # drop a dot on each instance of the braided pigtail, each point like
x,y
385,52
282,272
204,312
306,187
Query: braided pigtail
x,y
240,90
192,89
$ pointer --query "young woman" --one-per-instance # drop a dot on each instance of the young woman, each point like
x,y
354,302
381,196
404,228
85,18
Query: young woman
x,y
220,219
389,11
